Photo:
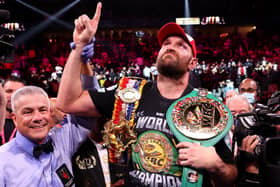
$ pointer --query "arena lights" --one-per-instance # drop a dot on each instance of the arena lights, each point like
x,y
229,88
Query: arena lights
x,y
45,23
13,26
212,20
223,35
188,21
63,23
139,34
209,20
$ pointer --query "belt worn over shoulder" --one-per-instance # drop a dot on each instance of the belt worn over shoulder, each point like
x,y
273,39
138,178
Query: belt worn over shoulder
x,y
119,133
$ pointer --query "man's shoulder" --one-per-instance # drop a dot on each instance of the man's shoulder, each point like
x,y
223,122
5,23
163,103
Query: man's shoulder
x,y
150,84
6,150
7,145
149,88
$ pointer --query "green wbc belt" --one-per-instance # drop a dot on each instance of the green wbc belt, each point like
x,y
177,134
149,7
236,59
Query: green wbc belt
x,y
201,118
155,153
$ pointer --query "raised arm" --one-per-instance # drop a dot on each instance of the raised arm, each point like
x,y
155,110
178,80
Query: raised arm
x,y
71,97
89,81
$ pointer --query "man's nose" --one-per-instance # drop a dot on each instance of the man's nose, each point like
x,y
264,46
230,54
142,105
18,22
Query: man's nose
x,y
170,48
9,95
37,117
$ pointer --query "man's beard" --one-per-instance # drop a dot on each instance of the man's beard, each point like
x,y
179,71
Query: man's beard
x,y
171,69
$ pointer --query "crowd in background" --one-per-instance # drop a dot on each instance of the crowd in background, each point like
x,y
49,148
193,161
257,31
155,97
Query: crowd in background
x,y
223,61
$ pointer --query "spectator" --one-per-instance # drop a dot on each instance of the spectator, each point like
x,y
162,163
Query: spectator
x,y
10,85
248,168
38,156
249,88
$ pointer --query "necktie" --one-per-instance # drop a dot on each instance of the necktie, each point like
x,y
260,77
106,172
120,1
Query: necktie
x,y
40,148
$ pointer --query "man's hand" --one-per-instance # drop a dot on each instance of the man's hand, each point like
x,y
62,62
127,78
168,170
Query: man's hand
x,y
71,98
200,157
249,143
197,156
86,28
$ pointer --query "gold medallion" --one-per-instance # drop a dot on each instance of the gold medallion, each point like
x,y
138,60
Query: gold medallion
x,y
129,95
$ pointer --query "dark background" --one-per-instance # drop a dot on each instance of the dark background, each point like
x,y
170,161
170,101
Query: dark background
x,y
131,13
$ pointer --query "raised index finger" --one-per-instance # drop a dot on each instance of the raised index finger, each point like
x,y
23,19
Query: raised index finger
x,y
96,17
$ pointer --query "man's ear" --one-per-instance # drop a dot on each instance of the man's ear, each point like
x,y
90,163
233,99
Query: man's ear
x,y
193,63
13,116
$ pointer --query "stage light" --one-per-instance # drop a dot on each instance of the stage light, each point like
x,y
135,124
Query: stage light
x,y
24,37
188,28
63,23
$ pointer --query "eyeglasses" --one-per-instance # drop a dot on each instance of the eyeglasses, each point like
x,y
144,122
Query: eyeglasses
x,y
249,90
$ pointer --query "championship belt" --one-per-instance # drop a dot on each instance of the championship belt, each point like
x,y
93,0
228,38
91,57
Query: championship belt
x,y
201,118
119,132
155,153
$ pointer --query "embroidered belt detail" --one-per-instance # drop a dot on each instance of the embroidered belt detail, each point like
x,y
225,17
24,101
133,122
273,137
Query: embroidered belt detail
x,y
119,132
